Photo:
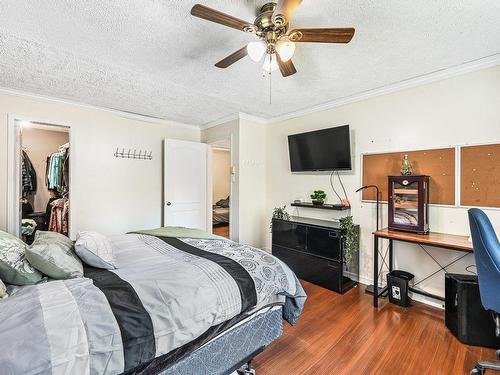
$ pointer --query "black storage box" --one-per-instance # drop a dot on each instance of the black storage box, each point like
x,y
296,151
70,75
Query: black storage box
x,y
397,286
465,316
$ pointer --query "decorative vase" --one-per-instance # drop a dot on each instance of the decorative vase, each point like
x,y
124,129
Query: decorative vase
x,y
318,203
406,169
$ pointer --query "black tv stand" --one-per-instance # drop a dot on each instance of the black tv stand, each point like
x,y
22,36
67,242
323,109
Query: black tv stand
x,y
314,250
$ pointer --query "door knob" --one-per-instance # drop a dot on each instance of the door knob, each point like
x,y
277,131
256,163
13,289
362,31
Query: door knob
x,y
169,204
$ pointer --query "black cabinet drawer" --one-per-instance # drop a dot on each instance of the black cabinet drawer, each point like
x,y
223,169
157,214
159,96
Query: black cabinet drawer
x,y
323,242
289,234
322,272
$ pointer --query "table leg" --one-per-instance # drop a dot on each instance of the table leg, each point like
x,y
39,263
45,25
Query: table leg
x,y
391,255
375,271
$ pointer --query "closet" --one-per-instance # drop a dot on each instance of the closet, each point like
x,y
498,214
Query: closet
x,y
45,184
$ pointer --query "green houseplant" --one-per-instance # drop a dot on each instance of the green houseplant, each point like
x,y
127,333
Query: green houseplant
x,y
318,197
279,213
351,244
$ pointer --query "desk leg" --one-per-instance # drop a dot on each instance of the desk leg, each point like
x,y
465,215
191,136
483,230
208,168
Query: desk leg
x,y
391,255
375,271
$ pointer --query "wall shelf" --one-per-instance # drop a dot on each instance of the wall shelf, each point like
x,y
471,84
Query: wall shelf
x,y
337,207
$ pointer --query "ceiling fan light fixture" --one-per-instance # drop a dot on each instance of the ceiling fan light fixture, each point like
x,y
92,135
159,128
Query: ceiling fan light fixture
x,y
270,63
256,50
285,49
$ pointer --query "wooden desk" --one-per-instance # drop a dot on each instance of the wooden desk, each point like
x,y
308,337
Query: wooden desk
x,y
440,240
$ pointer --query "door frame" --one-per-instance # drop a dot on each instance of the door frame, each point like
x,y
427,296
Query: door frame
x,y
231,181
14,169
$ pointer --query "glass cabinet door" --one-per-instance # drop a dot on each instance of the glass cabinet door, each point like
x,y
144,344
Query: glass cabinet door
x,y
405,203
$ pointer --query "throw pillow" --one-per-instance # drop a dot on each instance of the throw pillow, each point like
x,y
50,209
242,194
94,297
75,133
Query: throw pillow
x,y
3,290
53,254
14,268
95,249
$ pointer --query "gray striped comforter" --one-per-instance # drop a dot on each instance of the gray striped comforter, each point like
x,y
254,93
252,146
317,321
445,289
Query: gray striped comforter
x,y
165,293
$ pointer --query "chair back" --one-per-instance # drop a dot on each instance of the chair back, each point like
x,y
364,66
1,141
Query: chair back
x,y
487,255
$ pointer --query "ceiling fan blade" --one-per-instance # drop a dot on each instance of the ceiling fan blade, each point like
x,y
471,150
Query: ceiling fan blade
x,y
340,35
284,11
286,67
213,15
232,58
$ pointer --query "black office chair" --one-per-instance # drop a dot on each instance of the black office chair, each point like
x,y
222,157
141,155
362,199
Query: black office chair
x,y
487,254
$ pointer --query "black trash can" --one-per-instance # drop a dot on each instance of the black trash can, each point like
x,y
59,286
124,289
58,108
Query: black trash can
x,y
398,283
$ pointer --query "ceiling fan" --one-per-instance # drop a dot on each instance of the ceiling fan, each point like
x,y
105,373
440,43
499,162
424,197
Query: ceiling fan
x,y
276,44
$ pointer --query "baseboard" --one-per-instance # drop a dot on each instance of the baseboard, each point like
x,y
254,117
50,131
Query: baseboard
x,y
415,297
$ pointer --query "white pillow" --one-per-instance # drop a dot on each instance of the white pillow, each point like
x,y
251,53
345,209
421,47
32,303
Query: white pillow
x,y
95,250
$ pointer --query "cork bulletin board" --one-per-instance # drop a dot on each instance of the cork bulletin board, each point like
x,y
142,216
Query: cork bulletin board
x,y
480,175
439,164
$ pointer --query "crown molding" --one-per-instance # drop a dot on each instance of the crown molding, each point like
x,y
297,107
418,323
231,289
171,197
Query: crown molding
x,y
123,114
442,74
257,119
439,75
220,121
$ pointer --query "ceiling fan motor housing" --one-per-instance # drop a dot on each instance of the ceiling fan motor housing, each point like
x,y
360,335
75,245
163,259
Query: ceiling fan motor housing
x,y
265,23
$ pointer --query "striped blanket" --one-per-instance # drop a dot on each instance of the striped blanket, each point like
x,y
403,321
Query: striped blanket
x,y
165,293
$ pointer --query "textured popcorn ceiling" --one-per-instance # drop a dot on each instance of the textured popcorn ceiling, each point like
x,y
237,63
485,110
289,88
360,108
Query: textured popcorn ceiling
x,y
152,57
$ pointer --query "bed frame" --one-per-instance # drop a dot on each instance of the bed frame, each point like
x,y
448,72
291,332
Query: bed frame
x,y
222,350
233,350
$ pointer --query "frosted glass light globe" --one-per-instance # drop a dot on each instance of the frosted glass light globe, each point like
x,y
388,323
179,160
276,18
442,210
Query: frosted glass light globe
x,y
270,63
286,49
256,50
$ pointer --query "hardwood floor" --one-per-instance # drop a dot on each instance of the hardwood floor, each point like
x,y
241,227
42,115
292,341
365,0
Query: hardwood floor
x,y
221,230
344,334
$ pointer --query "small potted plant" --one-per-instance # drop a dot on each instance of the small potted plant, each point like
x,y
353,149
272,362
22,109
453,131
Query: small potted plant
x,y
318,197
351,244
279,213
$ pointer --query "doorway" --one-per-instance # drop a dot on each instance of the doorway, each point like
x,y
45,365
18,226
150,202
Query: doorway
x,y
221,187
42,177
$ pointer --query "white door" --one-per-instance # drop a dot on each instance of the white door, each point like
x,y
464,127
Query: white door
x,y
185,184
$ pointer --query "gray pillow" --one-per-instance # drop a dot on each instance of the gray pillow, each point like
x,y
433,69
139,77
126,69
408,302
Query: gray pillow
x,y
14,268
95,250
3,290
53,254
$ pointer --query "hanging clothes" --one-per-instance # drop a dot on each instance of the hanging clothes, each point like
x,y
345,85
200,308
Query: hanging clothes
x,y
57,170
28,175
59,215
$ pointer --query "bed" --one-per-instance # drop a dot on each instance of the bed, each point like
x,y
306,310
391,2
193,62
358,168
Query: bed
x,y
176,304
220,215
220,212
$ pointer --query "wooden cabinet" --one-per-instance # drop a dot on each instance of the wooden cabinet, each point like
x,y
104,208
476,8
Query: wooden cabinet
x,y
409,203
314,250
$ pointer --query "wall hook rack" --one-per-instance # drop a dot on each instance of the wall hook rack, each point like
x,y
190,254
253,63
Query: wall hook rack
x,y
129,154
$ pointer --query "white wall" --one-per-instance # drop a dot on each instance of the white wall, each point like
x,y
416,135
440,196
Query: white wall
x,y
109,195
221,164
40,144
459,110
252,182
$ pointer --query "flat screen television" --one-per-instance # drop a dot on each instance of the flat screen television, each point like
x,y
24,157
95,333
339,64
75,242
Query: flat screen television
x,y
321,150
